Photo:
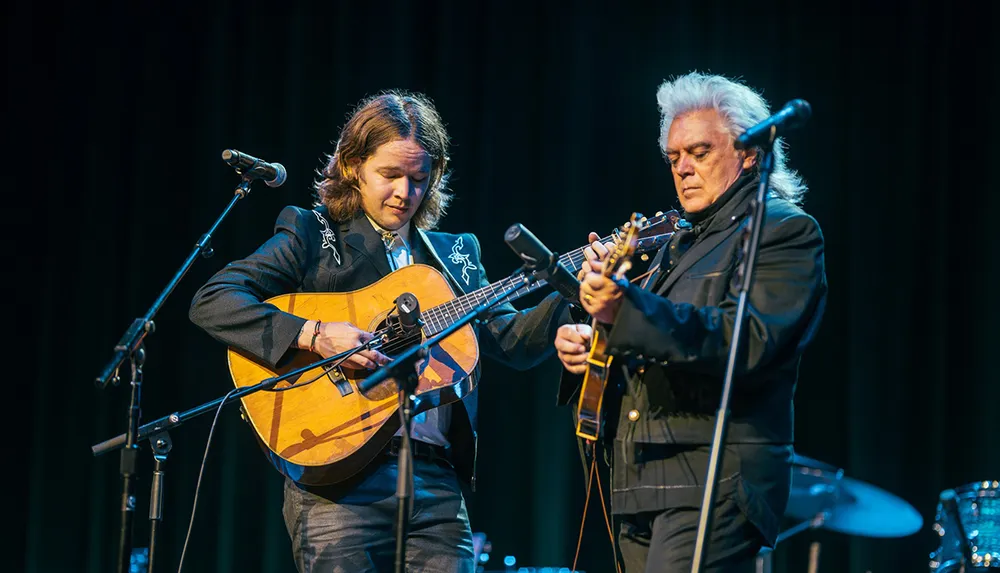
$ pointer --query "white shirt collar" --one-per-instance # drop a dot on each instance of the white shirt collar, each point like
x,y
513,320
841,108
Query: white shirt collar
x,y
403,233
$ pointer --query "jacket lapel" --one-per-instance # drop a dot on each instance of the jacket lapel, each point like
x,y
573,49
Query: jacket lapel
x,y
695,254
728,220
429,246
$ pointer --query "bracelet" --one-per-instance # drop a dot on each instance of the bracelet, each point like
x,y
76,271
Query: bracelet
x,y
312,344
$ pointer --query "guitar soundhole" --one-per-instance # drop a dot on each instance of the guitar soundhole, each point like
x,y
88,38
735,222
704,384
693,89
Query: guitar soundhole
x,y
396,342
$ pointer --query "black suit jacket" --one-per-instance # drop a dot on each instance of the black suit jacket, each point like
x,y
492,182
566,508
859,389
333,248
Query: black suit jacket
x,y
309,252
675,341
671,340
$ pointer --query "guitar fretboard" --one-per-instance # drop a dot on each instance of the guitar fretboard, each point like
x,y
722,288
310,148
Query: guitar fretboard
x,y
442,316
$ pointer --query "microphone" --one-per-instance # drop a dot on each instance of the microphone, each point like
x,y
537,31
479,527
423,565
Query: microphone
x,y
409,319
273,174
793,115
539,259
409,311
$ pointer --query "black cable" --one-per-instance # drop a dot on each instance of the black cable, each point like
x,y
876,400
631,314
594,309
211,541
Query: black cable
x,y
201,472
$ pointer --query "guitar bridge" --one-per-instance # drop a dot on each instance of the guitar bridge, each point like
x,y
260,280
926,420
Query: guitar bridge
x,y
338,380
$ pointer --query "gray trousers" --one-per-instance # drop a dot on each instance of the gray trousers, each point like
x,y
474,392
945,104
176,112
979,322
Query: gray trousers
x,y
350,528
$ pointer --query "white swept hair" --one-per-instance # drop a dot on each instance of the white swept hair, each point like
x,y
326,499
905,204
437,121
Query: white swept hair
x,y
740,107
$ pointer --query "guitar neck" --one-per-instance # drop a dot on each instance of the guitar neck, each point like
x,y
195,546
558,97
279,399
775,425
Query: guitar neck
x,y
444,315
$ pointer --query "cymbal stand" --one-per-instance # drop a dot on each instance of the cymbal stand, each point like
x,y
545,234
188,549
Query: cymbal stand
x,y
763,560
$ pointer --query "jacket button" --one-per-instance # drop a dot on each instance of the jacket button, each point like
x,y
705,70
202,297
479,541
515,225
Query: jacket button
x,y
633,415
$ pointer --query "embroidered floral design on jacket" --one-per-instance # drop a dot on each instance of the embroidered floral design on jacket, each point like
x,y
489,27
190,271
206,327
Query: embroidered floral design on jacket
x,y
459,258
329,238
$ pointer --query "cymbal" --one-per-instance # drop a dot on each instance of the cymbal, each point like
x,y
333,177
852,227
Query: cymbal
x,y
800,460
847,505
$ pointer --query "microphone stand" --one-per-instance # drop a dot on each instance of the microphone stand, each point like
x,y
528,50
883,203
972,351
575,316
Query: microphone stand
x,y
131,347
751,243
403,370
156,432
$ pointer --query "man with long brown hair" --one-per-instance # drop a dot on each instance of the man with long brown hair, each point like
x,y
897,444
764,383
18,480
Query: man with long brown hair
x,y
381,193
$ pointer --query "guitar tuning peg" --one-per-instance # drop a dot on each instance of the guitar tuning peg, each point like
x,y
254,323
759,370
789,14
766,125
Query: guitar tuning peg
x,y
644,257
658,213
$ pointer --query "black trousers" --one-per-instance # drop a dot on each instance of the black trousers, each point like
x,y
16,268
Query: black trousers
x,y
664,541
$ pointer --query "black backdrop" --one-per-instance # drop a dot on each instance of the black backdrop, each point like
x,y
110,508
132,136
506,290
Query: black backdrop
x,y
117,115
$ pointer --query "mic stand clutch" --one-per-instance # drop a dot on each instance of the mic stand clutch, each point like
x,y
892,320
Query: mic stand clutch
x,y
403,370
751,242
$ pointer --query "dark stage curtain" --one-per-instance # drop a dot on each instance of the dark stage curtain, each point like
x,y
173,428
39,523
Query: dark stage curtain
x,y
116,114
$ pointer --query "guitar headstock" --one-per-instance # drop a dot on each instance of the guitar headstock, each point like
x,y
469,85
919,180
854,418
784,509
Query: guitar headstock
x,y
653,233
626,242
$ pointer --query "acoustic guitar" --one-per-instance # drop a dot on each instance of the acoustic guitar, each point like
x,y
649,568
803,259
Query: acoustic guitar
x,y
318,428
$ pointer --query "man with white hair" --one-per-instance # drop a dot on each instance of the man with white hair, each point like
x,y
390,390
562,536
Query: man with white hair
x,y
671,336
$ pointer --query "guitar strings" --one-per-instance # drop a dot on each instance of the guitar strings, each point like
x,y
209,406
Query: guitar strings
x,y
440,314
443,317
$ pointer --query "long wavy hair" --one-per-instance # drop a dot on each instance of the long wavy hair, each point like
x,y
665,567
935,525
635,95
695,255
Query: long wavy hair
x,y
740,107
377,120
